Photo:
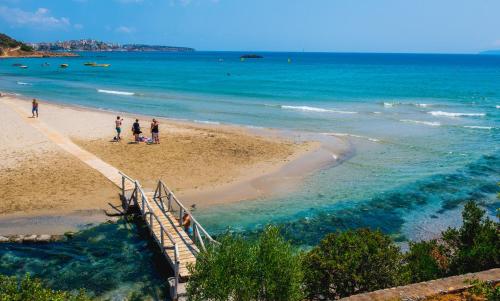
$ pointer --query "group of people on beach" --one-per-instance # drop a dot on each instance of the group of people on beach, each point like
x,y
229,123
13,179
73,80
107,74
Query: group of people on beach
x,y
136,131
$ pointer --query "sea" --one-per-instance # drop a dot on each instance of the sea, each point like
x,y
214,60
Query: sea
x,y
424,131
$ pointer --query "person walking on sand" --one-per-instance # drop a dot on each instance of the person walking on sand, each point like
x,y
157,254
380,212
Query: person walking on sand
x,y
118,126
155,132
136,130
34,108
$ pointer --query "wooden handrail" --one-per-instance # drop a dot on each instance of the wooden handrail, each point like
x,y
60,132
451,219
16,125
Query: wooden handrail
x,y
181,206
150,212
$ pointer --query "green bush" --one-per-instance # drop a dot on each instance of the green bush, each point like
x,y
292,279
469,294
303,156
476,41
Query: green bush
x,y
27,288
238,269
484,289
26,48
425,260
351,262
476,245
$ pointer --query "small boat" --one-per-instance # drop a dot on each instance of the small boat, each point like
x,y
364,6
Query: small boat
x,y
17,64
90,64
64,65
23,67
101,65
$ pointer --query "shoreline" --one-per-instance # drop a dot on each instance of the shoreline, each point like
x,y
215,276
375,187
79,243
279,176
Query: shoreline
x,y
263,179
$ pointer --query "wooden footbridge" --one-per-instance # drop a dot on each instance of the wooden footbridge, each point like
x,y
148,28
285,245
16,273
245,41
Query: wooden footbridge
x,y
163,213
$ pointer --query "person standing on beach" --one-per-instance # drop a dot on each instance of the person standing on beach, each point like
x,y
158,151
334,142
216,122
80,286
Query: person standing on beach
x,y
34,108
136,130
155,132
118,124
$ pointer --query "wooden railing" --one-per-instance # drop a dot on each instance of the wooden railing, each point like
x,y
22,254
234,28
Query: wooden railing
x,y
200,236
139,198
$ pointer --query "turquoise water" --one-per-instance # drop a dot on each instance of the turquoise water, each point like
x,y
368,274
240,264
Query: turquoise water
x,y
425,129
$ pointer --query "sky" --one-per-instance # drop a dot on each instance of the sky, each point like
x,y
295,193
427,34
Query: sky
x,y
428,26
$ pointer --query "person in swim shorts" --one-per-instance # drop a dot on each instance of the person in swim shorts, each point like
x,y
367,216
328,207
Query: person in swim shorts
x,y
155,132
118,127
34,108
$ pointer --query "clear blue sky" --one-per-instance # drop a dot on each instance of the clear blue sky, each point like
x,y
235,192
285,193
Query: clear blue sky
x,y
452,26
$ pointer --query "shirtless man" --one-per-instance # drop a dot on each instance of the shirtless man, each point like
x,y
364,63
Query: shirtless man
x,y
118,127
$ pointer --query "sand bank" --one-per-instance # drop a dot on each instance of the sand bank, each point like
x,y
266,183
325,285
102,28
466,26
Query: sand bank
x,y
202,164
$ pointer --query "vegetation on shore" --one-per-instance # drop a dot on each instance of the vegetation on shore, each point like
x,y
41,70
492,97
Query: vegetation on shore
x,y
28,288
343,264
7,42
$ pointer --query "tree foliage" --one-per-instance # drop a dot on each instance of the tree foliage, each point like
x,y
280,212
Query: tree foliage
x,y
239,269
27,288
351,262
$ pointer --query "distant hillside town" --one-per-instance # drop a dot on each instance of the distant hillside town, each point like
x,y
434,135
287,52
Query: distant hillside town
x,y
94,45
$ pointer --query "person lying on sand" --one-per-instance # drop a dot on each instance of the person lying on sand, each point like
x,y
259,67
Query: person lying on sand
x,y
136,130
34,108
155,132
118,124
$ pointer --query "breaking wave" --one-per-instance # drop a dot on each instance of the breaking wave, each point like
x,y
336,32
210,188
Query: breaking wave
x,y
315,109
449,114
115,92
430,123
478,127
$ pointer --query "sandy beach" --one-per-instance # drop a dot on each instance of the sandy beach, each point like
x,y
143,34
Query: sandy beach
x,y
203,165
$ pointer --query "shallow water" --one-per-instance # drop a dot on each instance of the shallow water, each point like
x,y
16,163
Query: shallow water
x,y
111,261
425,128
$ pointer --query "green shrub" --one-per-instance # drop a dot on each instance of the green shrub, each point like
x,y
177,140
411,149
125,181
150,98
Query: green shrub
x,y
238,269
27,288
476,245
26,48
484,289
351,262
425,260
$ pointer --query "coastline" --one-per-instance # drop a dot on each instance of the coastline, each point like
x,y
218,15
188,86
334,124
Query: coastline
x,y
266,174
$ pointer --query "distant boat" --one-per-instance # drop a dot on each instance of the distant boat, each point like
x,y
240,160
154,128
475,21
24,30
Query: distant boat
x,y
17,65
101,65
90,64
289,60
64,65
23,67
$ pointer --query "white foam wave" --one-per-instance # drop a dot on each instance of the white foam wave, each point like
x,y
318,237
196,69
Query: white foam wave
x,y
352,135
206,122
498,107
315,109
115,92
24,84
478,127
430,123
393,104
449,114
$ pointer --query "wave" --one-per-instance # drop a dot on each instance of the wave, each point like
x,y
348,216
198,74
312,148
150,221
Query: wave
x,y
448,114
315,109
352,135
430,123
478,127
24,84
115,92
498,107
393,104
206,122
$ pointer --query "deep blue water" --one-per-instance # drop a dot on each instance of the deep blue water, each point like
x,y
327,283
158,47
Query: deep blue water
x,y
425,129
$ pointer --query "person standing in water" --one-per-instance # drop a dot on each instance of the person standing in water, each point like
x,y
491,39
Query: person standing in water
x,y
118,124
34,108
155,132
136,130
